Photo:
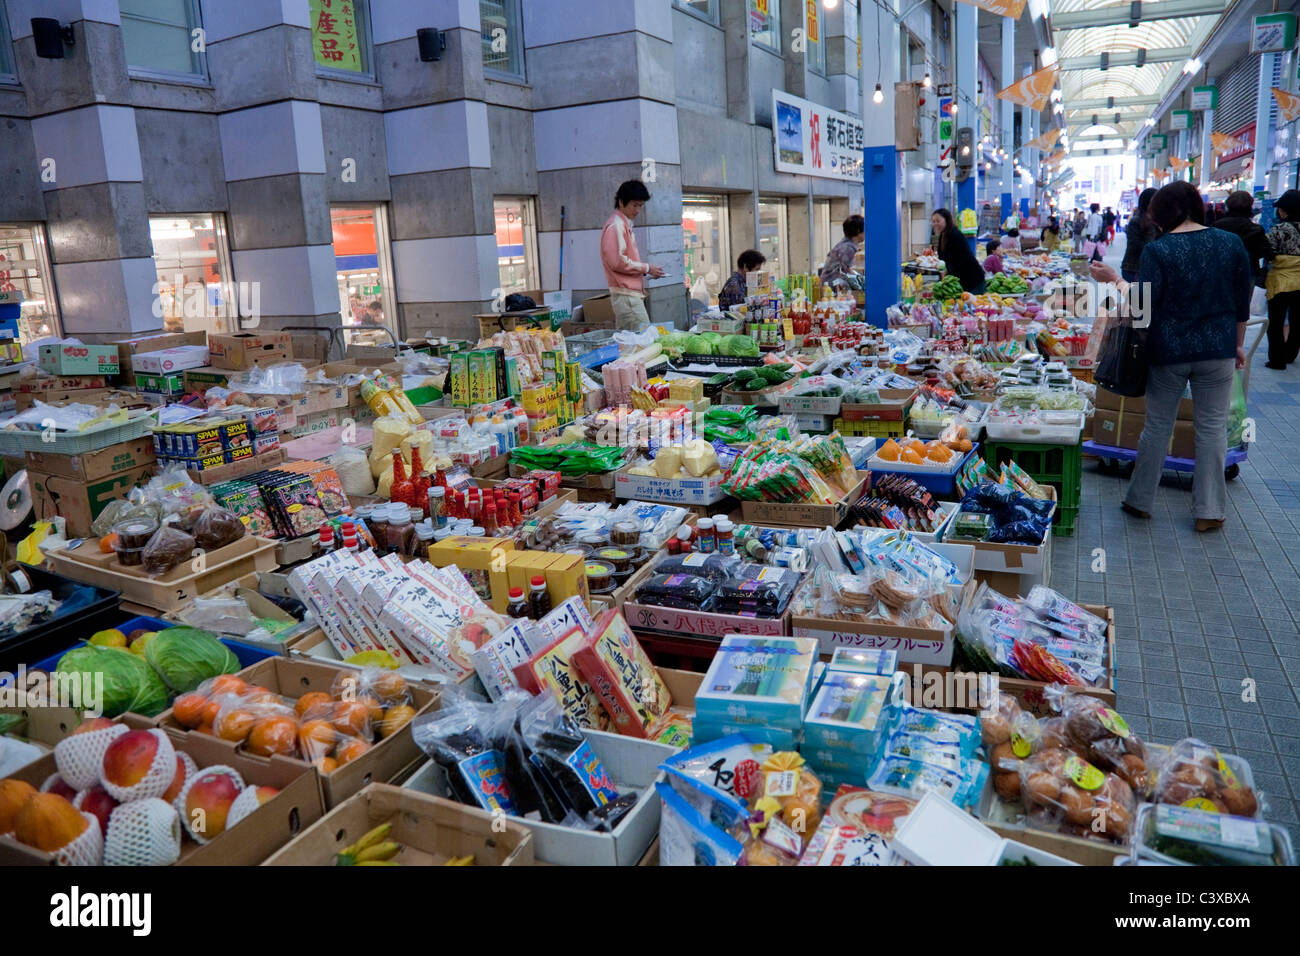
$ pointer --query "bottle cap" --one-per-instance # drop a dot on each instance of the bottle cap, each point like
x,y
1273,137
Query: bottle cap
x,y
705,524
516,593
684,533
538,581
477,532
438,491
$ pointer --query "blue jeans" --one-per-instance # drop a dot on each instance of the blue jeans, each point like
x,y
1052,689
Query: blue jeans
x,y
1211,382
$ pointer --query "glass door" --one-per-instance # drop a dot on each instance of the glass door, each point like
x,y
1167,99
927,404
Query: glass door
x,y
704,244
364,268
28,306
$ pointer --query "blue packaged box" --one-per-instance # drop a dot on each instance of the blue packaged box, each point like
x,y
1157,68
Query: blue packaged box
x,y
850,714
779,738
877,661
758,681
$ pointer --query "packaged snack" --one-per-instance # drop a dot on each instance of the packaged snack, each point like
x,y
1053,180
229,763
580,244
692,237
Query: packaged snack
x,y
577,774
620,672
1196,775
1009,735
839,844
731,765
457,739
791,791
168,548
1186,836
530,789
216,528
753,588
687,838
713,566
683,591
1064,792
1102,735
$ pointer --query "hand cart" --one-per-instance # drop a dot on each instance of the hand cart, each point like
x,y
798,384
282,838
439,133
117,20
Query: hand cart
x,y
1110,456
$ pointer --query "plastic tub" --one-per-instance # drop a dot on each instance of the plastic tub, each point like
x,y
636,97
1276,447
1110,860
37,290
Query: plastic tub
x,y
134,533
131,557
62,630
937,481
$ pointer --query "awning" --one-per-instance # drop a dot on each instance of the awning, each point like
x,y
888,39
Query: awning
x,y
1233,168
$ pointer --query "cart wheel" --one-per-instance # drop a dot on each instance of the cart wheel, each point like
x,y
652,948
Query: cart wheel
x,y
1231,472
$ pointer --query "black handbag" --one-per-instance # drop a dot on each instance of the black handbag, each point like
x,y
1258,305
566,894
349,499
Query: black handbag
x,y
1124,361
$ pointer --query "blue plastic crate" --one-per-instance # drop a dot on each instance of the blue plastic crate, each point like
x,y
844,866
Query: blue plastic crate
x,y
941,485
247,654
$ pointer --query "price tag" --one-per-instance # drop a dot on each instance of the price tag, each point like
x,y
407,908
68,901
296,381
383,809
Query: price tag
x,y
787,328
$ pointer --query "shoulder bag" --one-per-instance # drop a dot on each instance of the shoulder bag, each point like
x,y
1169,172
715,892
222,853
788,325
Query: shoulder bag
x,y
1124,359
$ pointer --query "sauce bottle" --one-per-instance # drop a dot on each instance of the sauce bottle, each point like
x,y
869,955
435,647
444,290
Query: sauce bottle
x,y
401,488
539,598
705,541
518,606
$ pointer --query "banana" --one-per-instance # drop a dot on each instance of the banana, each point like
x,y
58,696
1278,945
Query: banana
x,y
349,855
460,861
379,851
378,863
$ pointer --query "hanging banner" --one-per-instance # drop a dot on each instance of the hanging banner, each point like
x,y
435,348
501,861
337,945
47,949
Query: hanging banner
x,y
1158,141
1272,33
1034,90
1046,141
1055,158
815,141
1237,144
1003,8
1204,98
814,33
1288,104
334,38
1180,119
1178,164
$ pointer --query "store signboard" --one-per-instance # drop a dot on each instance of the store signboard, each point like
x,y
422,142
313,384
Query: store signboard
x,y
1158,141
335,38
758,14
1205,98
814,33
1272,33
1245,144
1180,119
812,140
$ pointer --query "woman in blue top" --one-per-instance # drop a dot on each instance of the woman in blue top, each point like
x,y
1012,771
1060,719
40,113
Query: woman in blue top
x,y
1196,284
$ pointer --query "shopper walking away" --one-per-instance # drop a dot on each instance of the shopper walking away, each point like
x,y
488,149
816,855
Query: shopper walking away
x,y
735,291
1139,231
955,251
1094,233
1282,283
1080,225
1237,220
1052,234
625,273
839,262
1108,223
1196,283
992,261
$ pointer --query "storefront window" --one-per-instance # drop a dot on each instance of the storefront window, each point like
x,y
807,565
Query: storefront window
x,y
194,292
7,71
773,234
765,23
28,310
159,37
516,231
705,9
503,37
363,262
704,239
340,37
821,230
814,23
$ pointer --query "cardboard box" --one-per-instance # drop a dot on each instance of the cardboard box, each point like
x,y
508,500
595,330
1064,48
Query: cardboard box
x,y
894,405
199,380
674,622
78,500
597,312
1124,430
430,829
61,383
291,811
128,347
803,515
245,350
1109,401
166,361
84,396
65,358
293,677
115,459
677,491
631,764
173,384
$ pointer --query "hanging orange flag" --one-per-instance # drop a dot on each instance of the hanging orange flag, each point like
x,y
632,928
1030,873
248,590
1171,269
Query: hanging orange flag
x,y
1223,143
1055,158
1046,141
1178,164
1287,103
1034,90
1003,8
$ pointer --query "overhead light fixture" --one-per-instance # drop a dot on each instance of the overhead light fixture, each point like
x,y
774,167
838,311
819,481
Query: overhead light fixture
x,y
830,4
1142,56
878,97
926,81
1058,109
988,165
1056,94
1191,66
1104,62
1150,122
965,150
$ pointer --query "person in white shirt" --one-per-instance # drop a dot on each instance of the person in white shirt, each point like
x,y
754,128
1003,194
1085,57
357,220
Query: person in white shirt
x,y
1093,230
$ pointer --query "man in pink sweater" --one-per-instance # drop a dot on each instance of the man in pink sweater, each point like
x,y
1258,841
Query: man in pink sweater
x,y
624,270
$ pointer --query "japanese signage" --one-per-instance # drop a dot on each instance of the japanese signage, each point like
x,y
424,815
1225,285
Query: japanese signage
x,y
1272,33
1244,143
814,33
815,141
335,39
1180,119
758,15
1158,141
1204,97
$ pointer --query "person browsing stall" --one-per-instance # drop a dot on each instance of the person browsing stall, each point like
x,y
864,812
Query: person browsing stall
x,y
735,290
955,251
625,274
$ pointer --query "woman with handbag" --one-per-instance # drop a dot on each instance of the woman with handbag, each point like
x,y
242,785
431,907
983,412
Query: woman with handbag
x,y
1196,284
1282,282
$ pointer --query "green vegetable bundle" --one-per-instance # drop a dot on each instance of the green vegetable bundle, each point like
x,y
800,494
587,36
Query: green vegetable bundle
x,y
741,345
184,657
949,287
572,460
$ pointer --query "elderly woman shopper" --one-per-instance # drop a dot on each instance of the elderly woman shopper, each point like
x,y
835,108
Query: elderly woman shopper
x,y
1197,284
1282,283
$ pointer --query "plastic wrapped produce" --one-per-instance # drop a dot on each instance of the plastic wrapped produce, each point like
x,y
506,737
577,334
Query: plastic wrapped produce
x,y
1196,775
168,548
217,527
1064,792
1102,735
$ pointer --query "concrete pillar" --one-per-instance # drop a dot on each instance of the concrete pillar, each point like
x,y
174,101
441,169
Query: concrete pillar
x,y
882,174
614,120
1263,126
87,155
742,224
841,30
796,61
798,210
966,36
1006,114
734,17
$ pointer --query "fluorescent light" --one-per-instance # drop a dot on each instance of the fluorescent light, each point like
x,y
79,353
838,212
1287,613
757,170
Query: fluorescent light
x,y
830,4
1049,56
1191,66
1149,122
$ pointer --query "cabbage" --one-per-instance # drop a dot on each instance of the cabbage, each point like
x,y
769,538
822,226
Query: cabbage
x,y
129,683
738,345
185,657
674,340
713,337
699,345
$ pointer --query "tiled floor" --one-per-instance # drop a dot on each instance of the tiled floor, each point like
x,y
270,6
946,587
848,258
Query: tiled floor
x,y
1208,625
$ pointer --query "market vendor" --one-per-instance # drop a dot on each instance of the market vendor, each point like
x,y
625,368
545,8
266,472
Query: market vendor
x,y
839,262
955,251
624,273
735,291
993,261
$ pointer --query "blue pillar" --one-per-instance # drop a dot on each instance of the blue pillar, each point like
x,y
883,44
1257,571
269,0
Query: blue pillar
x,y
965,91
1024,206
881,189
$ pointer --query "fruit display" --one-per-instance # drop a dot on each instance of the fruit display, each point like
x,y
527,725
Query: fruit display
x,y
327,730
934,455
1005,284
949,287
373,849
756,378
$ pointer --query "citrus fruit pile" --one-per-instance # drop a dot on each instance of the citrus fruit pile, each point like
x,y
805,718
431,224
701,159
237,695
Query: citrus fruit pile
x,y
913,451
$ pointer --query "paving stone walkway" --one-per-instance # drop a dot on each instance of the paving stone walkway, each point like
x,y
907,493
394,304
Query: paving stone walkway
x,y
1208,625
